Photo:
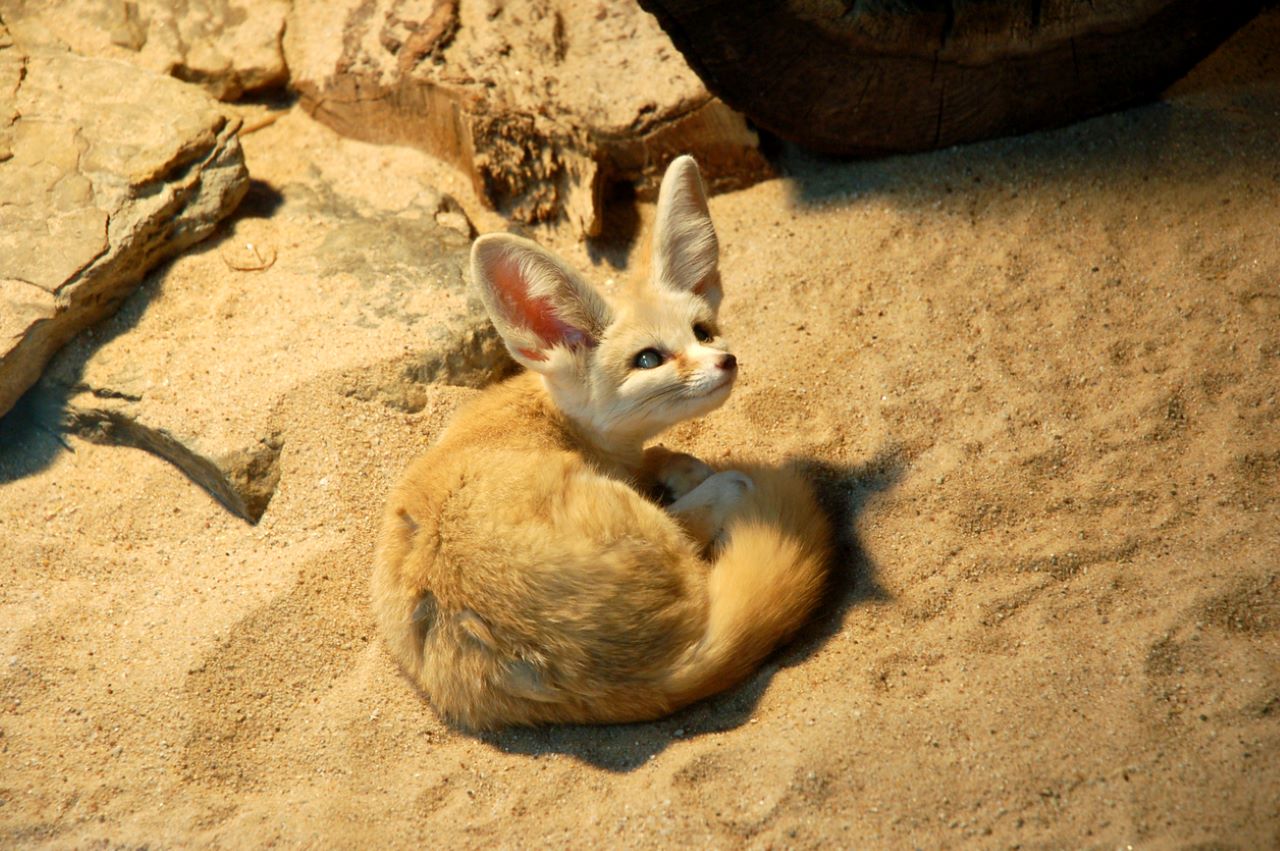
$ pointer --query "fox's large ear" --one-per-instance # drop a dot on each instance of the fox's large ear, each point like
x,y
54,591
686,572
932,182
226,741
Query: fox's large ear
x,y
686,254
535,300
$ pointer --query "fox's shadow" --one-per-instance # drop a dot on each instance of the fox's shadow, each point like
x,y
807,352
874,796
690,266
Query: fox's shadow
x,y
843,493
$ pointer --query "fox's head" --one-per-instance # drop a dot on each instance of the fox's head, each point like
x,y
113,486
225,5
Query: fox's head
x,y
629,368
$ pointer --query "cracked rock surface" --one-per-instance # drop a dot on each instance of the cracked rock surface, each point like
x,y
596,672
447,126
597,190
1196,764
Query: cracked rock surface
x,y
346,273
230,47
105,171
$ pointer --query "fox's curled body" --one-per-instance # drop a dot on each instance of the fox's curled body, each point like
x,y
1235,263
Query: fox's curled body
x,y
526,573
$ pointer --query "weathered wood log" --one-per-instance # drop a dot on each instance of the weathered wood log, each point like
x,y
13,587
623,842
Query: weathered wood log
x,y
871,77
541,102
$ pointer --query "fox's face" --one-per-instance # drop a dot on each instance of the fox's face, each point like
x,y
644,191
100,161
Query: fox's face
x,y
630,368
661,361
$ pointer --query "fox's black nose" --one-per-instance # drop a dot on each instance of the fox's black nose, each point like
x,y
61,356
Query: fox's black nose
x,y
728,363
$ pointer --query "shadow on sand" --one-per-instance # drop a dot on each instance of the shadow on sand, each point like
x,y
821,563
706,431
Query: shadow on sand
x,y
34,431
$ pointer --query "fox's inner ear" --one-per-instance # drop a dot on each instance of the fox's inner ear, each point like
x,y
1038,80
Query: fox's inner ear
x,y
686,254
534,299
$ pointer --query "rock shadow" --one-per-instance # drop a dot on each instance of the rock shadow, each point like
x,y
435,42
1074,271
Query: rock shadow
x,y
276,98
34,432
843,493
620,227
261,201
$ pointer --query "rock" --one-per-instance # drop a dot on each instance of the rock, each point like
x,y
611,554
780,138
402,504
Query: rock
x,y
229,47
880,77
105,171
348,278
543,103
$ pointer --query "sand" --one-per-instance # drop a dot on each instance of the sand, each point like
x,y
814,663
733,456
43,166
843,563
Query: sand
x,y
1037,378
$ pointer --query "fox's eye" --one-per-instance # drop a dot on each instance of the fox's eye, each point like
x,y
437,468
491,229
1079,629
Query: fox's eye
x,y
647,359
702,333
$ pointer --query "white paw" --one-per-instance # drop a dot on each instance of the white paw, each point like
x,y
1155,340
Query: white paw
x,y
732,486
706,510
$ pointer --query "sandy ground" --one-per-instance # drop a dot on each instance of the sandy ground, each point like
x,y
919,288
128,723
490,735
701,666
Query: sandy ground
x,y
1039,377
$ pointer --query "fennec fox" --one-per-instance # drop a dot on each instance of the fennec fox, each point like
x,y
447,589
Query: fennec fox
x,y
526,571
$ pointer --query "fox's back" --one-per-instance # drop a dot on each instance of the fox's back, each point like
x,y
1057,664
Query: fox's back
x,y
509,484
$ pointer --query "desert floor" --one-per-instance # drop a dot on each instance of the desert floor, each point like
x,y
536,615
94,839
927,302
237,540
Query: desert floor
x,y
1037,379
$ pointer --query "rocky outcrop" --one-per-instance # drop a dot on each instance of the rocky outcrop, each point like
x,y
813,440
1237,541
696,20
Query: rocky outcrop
x,y
105,171
310,291
542,103
230,47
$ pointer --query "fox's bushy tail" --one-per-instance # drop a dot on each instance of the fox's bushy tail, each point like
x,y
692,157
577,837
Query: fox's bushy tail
x,y
763,586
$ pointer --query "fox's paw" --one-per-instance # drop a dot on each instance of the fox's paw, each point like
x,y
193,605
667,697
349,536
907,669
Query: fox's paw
x,y
736,483
731,488
677,473
705,510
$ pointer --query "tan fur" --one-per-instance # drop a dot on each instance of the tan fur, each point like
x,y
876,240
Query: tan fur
x,y
526,572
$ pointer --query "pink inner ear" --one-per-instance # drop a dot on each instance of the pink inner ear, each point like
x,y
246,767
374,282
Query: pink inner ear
x,y
536,314
532,354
